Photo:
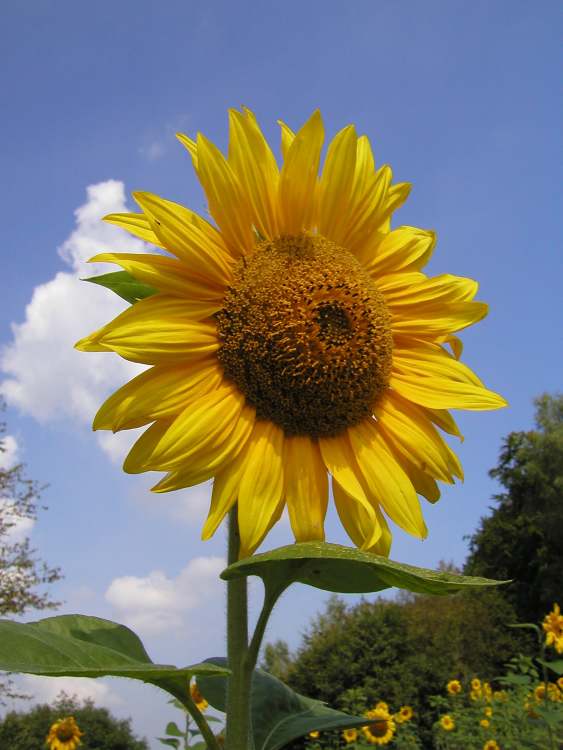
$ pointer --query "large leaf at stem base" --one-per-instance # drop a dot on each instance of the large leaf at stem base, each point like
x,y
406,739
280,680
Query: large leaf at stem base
x,y
346,570
83,646
279,715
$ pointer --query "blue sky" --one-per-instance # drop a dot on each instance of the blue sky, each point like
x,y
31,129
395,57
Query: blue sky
x,y
459,97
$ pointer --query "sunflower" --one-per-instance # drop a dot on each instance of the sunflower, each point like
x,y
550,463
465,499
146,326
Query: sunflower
x,y
296,338
64,734
405,713
447,723
485,723
197,697
314,734
454,687
491,745
381,728
350,735
553,628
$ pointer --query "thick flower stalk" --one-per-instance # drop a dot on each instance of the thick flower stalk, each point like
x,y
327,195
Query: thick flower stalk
x,y
294,341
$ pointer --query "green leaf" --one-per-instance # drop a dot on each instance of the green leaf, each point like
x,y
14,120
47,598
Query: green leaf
x,y
279,715
124,284
172,729
169,741
555,666
524,626
82,646
346,570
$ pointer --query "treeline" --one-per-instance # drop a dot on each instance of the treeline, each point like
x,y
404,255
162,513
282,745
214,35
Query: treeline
x,y
404,651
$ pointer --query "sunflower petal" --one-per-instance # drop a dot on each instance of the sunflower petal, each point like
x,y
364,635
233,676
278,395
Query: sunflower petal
x,y
435,320
136,224
439,393
306,488
227,202
298,176
444,288
287,136
255,166
190,145
404,249
225,492
156,330
192,239
169,276
161,392
261,485
336,184
426,359
364,529
387,482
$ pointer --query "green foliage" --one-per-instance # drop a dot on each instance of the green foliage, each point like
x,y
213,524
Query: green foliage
x,y
27,730
124,285
82,646
521,540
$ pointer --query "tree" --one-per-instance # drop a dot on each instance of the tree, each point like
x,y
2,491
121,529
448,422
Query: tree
x,y
521,539
22,573
27,730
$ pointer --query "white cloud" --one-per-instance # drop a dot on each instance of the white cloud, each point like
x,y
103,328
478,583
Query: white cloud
x,y
153,151
46,377
20,527
9,452
156,603
46,689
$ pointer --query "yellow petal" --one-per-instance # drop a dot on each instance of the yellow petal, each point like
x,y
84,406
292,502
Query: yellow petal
x,y
156,330
439,393
444,288
443,419
298,177
202,426
161,392
136,224
189,237
168,276
358,523
415,438
225,492
422,482
260,494
190,145
364,230
227,202
404,249
306,487
287,136
255,166
336,184
207,462
456,345
434,320
426,359
387,482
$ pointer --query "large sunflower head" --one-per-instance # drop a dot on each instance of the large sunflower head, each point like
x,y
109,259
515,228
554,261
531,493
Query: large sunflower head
x,y
64,734
294,339
381,728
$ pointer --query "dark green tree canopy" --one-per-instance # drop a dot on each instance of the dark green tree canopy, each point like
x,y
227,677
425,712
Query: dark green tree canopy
x,y
522,538
102,731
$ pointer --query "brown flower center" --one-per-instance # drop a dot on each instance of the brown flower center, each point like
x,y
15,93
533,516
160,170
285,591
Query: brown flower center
x,y
305,335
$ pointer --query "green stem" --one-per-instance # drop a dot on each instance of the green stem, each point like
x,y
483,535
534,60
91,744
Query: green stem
x,y
238,684
271,594
201,722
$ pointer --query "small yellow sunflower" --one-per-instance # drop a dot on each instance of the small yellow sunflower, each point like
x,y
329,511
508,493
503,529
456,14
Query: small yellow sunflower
x,y
381,728
454,687
314,734
405,713
553,693
447,723
64,734
553,628
485,723
296,338
491,745
560,683
350,735
488,711
197,697
476,684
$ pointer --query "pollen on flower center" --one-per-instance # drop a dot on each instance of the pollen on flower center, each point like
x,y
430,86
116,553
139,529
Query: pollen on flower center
x,y
305,335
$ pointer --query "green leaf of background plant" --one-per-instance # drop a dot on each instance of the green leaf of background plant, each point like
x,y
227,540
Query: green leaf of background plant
x,y
169,741
124,285
82,646
555,666
332,567
279,715
173,730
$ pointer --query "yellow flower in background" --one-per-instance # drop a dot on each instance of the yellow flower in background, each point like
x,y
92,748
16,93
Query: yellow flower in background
x,y
447,723
314,734
64,734
381,728
491,745
500,695
476,684
197,697
553,693
350,735
485,723
488,711
296,339
553,628
560,683
475,695
405,713
382,706
454,687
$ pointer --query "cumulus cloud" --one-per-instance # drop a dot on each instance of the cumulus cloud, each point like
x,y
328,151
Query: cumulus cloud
x,y
153,151
46,377
46,689
157,603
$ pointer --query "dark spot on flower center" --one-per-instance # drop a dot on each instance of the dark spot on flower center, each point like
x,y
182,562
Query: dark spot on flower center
x,y
305,335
